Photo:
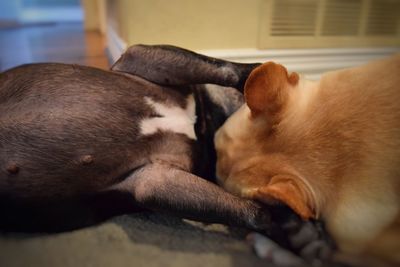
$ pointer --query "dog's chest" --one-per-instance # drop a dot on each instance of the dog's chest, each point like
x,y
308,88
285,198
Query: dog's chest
x,y
170,117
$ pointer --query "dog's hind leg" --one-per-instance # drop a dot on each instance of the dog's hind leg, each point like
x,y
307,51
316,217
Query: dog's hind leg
x,y
163,188
170,65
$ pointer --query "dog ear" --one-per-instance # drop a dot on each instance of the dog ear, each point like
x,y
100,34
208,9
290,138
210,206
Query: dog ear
x,y
266,89
289,190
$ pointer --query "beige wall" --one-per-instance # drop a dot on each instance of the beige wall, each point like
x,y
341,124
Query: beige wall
x,y
95,18
206,24
91,10
235,24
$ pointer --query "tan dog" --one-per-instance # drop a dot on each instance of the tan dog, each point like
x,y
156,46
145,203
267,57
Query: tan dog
x,y
329,149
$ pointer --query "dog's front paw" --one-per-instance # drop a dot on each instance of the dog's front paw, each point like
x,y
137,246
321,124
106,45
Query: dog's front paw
x,y
307,239
310,240
267,249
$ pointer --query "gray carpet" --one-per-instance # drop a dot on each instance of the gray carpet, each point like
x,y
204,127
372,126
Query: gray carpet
x,y
142,239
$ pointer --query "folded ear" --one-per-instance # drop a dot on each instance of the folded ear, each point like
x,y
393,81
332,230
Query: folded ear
x,y
289,190
266,89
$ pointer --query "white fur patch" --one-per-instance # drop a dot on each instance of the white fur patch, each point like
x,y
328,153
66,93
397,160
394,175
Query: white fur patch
x,y
173,118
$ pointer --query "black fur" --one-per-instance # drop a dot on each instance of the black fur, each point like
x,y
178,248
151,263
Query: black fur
x,y
72,134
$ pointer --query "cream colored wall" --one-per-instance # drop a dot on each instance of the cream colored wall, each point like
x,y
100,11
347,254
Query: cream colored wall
x,y
197,25
220,24
235,30
94,15
90,10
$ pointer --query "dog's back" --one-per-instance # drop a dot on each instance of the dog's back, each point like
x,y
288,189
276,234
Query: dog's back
x,y
362,108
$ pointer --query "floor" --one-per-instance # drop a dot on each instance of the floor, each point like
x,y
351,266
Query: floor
x,y
141,239
52,42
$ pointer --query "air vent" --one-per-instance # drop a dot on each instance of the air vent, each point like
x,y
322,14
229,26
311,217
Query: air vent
x,y
294,18
329,23
341,17
383,17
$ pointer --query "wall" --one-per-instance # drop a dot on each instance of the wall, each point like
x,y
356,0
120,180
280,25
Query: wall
x,y
194,24
231,29
94,15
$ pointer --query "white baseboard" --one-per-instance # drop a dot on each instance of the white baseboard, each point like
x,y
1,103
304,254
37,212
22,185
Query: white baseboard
x,y
310,62
115,45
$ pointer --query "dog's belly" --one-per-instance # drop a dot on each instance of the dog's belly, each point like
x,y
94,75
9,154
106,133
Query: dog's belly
x,y
170,118
67,130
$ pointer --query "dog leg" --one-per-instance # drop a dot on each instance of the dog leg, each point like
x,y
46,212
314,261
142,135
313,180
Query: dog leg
x,y
160,187
170,65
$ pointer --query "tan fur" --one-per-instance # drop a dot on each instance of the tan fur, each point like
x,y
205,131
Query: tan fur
x,y
329,148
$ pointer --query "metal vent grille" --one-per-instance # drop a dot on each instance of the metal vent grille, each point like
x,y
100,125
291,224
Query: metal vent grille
x,y
294,18
383,17
341,17
329,23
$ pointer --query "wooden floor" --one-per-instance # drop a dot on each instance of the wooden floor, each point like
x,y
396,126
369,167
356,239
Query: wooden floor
x,y
67,43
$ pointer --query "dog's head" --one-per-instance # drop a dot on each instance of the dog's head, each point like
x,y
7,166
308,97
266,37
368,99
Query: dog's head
x,y
249,159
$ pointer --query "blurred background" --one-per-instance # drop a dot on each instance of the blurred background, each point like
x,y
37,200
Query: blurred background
x,y
309,36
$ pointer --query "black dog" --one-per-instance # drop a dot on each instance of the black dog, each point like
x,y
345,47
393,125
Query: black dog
x,y
79,144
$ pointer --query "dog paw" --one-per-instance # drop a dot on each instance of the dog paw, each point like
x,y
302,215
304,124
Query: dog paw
x,y
310,241
267,249
314,254
306,239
